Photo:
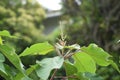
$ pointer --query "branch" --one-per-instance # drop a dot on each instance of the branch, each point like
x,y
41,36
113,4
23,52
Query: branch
x,y
53,74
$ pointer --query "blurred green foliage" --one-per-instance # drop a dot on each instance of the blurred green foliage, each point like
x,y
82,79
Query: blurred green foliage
x,y
95,21
23,19
86,21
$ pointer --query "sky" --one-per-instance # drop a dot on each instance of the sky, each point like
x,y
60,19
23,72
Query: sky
x,y
51,4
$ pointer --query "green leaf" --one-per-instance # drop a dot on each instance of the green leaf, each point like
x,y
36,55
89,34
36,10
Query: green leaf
x,y
39,48
81,76
21,76
114,65
31,69
2,58
28,72
11,71
70,69
3,72
1,41
11,56
47,65
2,68
4,75
25,78
74,46
84,63
98,54
14,59
6,33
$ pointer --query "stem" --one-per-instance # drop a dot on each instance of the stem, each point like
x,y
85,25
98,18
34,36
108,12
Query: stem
x,y
53,74
62,52
67,53
58,52
62,34
68,56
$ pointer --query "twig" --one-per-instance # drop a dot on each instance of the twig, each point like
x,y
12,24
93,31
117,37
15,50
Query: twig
x,y
70,54
58,52
52,77
67,53
61,29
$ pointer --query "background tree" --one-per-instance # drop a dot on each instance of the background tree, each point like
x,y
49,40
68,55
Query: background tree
x,y
23,19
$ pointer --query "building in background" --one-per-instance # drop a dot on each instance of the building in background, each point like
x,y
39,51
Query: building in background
x,y
53,13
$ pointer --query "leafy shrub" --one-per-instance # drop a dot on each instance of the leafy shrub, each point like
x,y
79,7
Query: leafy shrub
x,y
79,62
